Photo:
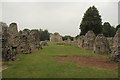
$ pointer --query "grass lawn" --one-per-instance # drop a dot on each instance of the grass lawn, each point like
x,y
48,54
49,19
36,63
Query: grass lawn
x,y
40,65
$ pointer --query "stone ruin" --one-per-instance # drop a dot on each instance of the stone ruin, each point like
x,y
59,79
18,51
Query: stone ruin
x,y
4,41
24,47
89,40
75,41
55,38
110,40
68,40
14,43
9,41
29,42
81,41
25,32
101,45
14,35
115,56
34,40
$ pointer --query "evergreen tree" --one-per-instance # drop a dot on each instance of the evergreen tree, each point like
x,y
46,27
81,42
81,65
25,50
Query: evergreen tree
x,y
44,35
118,26
91,21
113,31
66,37
107,29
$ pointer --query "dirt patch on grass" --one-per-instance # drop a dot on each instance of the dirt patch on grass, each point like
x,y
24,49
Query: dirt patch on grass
x,y
89,61
3,68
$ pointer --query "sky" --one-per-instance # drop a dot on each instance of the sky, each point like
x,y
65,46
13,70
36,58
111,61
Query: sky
x,y
63,17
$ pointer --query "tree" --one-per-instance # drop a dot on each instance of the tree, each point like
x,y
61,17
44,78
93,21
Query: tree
x,y
91,21
44,35
20,32
107,29
56,33
113,31
66,37
77,36
118,26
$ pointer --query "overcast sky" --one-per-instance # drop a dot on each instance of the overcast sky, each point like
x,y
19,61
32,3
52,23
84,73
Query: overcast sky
x,y
62,17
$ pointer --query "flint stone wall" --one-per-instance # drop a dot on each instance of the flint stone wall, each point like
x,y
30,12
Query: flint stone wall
x,y
101,45
13,34
116,46
110,40
55,38
68,40
81,41
89,40
34,40
24,47
75,41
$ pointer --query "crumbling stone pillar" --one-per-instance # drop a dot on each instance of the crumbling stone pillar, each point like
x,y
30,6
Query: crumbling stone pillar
x,y
110,40
9,35
81,41
68,40
34,40
14,35
115,56
24,47
89,40
55,38
101,45
75,41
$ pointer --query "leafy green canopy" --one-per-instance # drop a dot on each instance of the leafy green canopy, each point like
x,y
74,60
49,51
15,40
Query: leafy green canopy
x,y
91,21
118,26
108,30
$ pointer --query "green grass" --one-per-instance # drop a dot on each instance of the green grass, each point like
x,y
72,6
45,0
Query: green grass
x,y
40,65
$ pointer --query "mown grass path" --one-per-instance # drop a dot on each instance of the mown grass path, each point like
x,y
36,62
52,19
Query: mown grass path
x,y
40,65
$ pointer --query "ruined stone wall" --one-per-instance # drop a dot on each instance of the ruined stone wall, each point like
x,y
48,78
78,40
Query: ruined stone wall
x,y
24,47
55,38
12,39
89,40
14,43
25,32
110,40
59,37
5,44
116,46
101,45
34,40
81,41
8,40
68,40
75,41
51,37
14,36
